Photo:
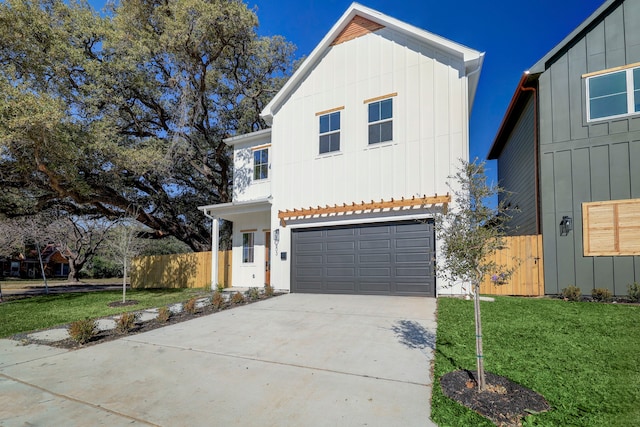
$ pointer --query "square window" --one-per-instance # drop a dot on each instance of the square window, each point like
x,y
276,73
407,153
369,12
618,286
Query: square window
x,y
381,121
330,132
247,247
261,164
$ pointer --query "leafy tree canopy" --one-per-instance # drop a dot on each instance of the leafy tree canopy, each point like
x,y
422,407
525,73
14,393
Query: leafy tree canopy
x,y
99,113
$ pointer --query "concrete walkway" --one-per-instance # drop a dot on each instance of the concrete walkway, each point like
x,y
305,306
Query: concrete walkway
x,y
312,360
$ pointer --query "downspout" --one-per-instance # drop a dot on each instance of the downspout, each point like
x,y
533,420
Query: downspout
x,y
215,237
536,148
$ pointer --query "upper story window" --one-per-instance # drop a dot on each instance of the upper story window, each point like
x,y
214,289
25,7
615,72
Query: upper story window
x,y
261,164
381,121
330,132
247,247
613,94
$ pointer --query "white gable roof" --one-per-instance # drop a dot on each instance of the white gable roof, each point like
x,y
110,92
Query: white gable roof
x,y
471,58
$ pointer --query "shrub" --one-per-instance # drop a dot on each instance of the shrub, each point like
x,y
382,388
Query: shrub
x,y
237,298
601,294
572,293
217,300
126,322
164,314
253,294
82,331
190,306
219,287
633,292
268,290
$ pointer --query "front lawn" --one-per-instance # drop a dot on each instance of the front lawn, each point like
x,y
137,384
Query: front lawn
x,y
584,358
50,310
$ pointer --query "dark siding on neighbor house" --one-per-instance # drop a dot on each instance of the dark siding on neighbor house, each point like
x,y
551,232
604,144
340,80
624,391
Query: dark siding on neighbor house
x,y
516,170
583,162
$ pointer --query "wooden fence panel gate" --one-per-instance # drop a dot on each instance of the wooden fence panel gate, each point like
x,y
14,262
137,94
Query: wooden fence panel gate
x,y
524,253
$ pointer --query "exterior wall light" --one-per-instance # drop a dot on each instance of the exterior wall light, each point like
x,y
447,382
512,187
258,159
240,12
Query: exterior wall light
x,y
566,225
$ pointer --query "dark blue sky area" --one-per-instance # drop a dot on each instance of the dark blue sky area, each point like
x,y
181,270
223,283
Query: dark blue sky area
x,y
513,33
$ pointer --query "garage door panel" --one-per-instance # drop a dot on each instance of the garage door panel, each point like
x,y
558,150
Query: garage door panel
x,y
314,272
341,246
375,288
341,259
383,258
309,247
375,272
374,244
378,259
340,232
309,259
340,272
412,257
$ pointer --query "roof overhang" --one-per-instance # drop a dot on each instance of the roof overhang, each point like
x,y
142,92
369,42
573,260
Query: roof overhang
x,y
511,117
471,58
228,211
248,137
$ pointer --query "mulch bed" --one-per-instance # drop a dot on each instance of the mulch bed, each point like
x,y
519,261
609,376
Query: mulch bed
x,y
140,327
504,402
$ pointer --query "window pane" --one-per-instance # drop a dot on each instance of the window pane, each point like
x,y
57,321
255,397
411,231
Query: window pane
x,y
386,131
386,109
608,106
374,112
334,121
324,124
374,134
335,141
608,84
256,157
265,156
325,143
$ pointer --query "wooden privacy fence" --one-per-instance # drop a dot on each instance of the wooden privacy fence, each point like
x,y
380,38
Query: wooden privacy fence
x,y
524,253
192,270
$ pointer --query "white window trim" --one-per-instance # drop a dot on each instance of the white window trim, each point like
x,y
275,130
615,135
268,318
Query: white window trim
x,y
377,122
331,132
252,247
630,94
253,169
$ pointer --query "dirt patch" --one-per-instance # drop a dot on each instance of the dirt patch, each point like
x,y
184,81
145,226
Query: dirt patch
x,y
504,402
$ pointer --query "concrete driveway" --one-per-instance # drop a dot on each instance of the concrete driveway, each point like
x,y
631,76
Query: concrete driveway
x,y
294,360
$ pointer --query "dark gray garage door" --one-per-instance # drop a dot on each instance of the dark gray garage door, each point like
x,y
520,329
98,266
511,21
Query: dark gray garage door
x,y
380,259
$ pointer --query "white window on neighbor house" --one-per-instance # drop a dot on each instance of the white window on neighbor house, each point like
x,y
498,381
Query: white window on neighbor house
x,y
261,164
247,247
330,132
380,121
613,94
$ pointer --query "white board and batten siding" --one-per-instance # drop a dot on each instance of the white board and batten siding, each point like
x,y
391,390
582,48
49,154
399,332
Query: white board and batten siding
x,y
430,129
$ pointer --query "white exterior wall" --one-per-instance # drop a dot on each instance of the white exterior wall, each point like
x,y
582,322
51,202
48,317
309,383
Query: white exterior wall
x,y
430,130
244,187
249,274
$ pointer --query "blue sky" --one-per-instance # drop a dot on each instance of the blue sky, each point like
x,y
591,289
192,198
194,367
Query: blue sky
x,y
514,34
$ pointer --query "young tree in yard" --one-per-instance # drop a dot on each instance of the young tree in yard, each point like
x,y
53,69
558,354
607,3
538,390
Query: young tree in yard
x,y
125,244
469,233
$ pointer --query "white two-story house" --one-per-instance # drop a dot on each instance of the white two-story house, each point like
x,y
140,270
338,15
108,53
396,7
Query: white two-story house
x,y
339,195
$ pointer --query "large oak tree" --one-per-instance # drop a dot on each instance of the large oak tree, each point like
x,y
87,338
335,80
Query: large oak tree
x,y
99,112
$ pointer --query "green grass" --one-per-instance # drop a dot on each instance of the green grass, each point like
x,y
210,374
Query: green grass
x,y
50,310
584,358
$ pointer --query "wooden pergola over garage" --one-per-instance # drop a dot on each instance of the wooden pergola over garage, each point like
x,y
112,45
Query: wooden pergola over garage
x,y
414,202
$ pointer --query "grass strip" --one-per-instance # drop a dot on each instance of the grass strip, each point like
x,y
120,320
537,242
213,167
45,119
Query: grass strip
x,y
46,311
582,357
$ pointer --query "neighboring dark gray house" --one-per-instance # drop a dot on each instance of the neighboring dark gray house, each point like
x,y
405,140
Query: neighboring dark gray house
x,y
568,149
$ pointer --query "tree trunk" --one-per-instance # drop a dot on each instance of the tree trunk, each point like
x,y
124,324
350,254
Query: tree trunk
x,y
74,271
124,280
478,321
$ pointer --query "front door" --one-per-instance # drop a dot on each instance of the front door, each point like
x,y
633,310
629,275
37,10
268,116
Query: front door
x,y
267,258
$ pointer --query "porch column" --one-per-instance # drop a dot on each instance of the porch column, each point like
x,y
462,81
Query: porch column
x,y
215,243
